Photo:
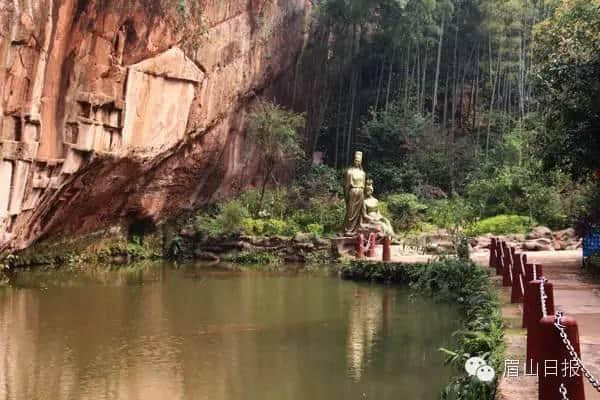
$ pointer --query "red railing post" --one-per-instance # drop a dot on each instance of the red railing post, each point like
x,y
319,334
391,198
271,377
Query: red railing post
x,y
557,366
518,282
506,265
498,257
534,314
492,260
387,249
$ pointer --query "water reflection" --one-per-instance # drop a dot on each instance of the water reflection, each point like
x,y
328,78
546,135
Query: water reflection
x,y
365,323
159,333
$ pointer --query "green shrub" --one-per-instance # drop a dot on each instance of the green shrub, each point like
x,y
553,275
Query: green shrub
x,y
501,224
206,224
406,210
318,180
275,226
449,213
462,247
232,215
327,212
523,191
252,226
257,257
315,229
587,211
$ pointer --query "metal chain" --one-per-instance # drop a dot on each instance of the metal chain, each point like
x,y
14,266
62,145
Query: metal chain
x,y
563,391
572,353
543,296
522,285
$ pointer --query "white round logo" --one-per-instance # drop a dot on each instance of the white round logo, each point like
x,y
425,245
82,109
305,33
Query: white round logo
x,y
473,364
476,366
485,373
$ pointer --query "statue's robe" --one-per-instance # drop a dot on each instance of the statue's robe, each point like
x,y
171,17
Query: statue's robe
x,y
354,191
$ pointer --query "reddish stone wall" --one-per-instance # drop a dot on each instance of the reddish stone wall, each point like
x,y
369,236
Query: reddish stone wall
x,y
117,108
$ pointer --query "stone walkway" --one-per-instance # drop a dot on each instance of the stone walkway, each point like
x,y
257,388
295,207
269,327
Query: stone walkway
x,y
573,294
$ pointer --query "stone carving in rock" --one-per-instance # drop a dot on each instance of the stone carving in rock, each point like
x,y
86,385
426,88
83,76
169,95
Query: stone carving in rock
x,y
159,95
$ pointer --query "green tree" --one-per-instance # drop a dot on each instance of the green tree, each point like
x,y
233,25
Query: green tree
x,y
276,132
567,56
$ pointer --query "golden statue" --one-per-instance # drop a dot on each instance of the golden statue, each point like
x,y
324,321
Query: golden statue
x,y
372,218
354,193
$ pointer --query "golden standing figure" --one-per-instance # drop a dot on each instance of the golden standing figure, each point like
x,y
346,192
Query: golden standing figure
x,y
354,193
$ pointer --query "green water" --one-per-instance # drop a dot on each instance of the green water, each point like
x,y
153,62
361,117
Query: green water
x,y
208,333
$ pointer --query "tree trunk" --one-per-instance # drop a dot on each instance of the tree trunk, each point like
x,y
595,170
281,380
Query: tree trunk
x,y
269,170
379,84
389,82
494,84
437,67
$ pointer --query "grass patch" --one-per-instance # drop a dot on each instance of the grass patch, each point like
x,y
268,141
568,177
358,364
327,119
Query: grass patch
x,y
501,225
254,257
466,284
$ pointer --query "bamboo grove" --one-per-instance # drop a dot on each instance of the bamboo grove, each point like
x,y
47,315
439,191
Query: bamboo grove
x,y
463,68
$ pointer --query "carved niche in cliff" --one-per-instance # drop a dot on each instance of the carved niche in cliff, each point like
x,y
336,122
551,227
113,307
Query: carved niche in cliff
x,y
159,94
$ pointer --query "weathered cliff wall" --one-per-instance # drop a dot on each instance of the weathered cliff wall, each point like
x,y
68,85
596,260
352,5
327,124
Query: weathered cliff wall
x,y
123,109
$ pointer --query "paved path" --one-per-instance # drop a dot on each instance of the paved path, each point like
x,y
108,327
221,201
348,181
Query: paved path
x,y
575,295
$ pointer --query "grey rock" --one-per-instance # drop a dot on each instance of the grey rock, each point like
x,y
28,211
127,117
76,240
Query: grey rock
x,y
542,244
302,237
539,232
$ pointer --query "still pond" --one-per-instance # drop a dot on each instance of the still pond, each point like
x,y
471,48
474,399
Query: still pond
x,y
196,332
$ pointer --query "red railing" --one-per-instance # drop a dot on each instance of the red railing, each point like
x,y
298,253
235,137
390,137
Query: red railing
x,y
552,339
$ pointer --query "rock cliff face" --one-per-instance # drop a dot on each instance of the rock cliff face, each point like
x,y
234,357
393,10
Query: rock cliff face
x,y
114,110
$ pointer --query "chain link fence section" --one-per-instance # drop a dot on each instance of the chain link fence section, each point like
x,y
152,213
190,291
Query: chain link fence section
x,y
543,296
572,353
563,391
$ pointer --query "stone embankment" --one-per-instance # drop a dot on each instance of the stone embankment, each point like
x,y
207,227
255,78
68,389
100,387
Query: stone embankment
x,y
300,248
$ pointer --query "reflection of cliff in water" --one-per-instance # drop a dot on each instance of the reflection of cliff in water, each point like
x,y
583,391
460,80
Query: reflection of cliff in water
x,y
367,318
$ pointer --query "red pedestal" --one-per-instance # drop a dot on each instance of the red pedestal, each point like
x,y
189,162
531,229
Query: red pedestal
x,y
555,354
360,246
387,249
533,316
372,245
